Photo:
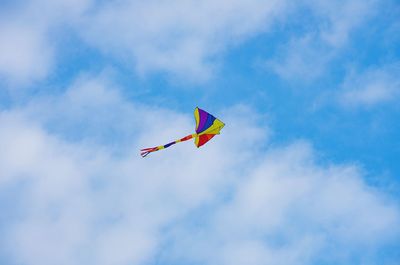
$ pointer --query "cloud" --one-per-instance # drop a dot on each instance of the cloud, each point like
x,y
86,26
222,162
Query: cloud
x,y
371,87
27,40
321,37
289,210
183,38
302,58
341,18
24,53
79,200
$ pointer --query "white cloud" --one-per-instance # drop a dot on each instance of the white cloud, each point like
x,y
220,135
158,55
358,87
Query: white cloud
x,y
184,38
27,42
229,202
371,87
340,18
307,56
302,58
24,53
289,210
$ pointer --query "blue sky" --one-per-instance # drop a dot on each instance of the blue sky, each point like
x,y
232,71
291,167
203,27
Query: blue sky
x,y
305,172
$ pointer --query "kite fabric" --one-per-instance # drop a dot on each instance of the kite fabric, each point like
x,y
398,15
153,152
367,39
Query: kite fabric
x,y
207,126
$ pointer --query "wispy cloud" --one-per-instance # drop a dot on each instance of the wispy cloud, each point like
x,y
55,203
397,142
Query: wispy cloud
x,y
302,58
24,53
27,44
307,56
371,87
184,38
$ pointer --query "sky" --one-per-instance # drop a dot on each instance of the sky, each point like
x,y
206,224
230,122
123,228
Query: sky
x,y
305,171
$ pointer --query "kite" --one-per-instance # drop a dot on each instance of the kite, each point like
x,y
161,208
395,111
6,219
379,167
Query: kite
x,y
207,126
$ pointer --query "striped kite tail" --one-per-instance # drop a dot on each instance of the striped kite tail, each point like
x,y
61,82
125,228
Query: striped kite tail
x,y
144,152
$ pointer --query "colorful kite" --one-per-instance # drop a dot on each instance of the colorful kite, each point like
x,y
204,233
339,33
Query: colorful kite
x,y
207,126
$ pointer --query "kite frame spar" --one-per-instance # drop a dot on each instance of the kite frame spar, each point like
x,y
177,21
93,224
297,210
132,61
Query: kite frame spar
x,y
207,126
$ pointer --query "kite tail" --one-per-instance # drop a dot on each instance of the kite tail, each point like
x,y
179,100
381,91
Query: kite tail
x,y
144,152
